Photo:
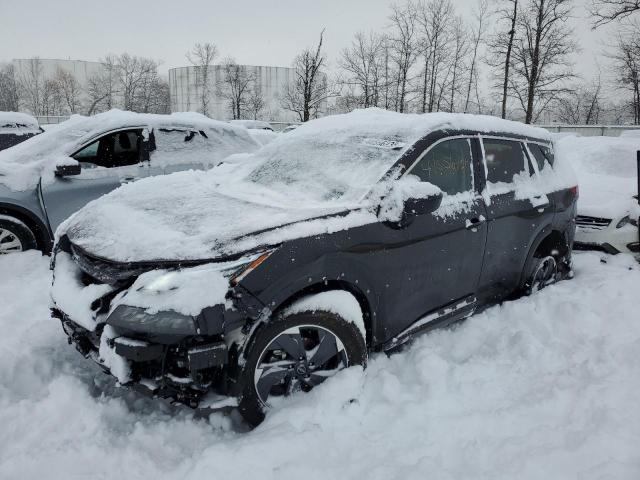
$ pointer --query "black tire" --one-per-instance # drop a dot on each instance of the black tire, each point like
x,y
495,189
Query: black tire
x,y
15,232
542,272
252,406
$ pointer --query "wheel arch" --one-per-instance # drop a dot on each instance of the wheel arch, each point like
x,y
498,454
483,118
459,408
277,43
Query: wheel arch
x,y
37,226
329,285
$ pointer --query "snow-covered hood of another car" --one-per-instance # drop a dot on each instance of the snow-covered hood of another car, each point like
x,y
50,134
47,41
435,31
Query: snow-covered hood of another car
x,y
606,170
191,216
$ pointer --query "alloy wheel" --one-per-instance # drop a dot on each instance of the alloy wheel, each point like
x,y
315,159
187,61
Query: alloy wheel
x,y
544,274
9,242
298,359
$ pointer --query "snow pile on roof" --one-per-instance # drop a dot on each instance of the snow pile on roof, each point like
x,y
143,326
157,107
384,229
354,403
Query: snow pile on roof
x,y
22,165
321,168
18,123
606,170
543,387
263,136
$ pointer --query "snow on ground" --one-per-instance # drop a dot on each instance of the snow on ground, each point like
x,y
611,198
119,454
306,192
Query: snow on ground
x,y
542,387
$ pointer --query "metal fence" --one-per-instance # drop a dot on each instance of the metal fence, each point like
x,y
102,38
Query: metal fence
x,y
51,119
591,130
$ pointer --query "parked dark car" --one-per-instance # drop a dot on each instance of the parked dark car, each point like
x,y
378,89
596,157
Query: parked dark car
x,y
347,236
17,127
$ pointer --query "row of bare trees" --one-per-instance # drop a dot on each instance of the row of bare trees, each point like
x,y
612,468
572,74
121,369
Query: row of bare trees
x,y
429,58
124,81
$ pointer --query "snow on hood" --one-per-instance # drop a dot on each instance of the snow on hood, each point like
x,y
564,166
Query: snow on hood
x,y
22,166
322,168
18,123
607,173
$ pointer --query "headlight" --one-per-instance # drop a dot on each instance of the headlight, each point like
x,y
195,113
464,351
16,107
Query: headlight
x,y
624,221
246,269
164,322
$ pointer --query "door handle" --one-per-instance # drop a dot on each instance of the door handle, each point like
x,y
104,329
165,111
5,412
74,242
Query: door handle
x,y
128,179
473,223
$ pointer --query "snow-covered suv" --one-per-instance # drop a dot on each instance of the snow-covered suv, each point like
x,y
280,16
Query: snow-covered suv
x,y
49,177
349,235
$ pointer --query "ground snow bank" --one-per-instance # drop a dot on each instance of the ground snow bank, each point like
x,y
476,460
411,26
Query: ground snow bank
x,y
543,387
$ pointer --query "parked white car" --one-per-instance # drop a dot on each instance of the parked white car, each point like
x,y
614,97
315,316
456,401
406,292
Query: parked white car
x,y
608,208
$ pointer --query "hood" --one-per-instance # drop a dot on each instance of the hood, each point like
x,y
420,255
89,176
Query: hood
x,y
190,216
606,171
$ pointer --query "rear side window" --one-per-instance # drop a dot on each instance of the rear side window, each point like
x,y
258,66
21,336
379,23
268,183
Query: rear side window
x,y
448,166
505,159
541,154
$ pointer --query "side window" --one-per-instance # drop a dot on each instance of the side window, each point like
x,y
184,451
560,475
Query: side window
x,y
113,150
505,159
541,154
448,165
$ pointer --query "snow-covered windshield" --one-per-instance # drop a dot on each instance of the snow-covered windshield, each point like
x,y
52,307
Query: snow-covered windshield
x,y
338,159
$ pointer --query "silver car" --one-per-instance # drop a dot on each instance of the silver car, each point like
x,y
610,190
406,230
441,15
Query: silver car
x,y
47,178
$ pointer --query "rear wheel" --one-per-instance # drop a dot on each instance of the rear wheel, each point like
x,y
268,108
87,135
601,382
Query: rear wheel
x,y
15,236
544,272
295,354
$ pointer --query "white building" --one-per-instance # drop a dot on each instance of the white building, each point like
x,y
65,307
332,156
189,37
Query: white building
x,y
185,91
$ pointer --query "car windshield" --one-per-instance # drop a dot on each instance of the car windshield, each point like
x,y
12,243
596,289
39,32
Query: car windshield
x,y
318,168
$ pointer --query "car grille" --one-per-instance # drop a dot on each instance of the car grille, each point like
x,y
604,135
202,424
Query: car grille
x,y
596,223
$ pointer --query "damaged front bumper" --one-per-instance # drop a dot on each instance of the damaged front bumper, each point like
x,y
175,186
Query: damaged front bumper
x,y
187,369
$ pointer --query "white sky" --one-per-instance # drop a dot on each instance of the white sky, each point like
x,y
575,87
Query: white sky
x,y
258,32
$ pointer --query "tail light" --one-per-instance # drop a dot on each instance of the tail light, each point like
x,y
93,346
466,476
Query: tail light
x,y
575,191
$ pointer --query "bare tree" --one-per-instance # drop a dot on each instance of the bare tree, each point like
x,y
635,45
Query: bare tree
x,y
583,106
363,64
256,102
309,90
236,87
461,48
202,56
627,63
500,47
135,75
68,89
9,101
103,88
541,55
402,41
477,37
31,86
606,11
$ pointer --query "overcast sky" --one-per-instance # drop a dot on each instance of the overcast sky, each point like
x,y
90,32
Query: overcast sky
x,y
256,32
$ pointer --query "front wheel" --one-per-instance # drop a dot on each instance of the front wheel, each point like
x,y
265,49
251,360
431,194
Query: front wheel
x,y
296,354
15,236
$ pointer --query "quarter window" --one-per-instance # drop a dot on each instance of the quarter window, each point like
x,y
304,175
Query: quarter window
x,y
505,159
541,154
448,165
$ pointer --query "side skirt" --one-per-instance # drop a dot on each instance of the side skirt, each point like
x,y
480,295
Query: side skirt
x,y
455,311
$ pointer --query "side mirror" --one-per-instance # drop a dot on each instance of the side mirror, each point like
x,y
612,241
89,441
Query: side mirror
x,y
407,198
68,170
422,206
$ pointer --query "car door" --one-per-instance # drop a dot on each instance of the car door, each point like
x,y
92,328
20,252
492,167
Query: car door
x,y
106,163
517,213
434,261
